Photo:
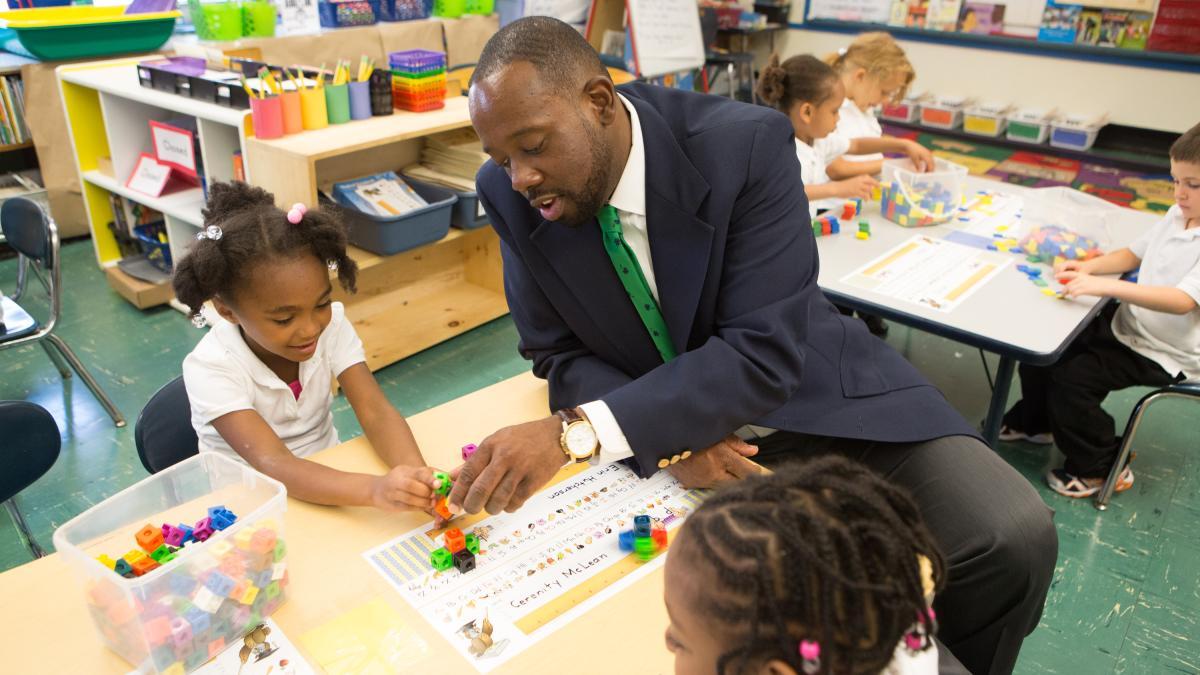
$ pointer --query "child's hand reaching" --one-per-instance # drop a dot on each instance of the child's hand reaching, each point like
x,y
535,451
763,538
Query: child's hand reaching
x,y
405,488
920,156
858,187
1079,266
1076,283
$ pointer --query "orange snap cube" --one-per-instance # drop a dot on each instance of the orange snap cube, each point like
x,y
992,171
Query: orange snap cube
x,y
455,540
442,509
144,565
149,538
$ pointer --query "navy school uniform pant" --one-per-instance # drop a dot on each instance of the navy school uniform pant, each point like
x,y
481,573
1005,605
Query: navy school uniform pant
x,y
997,535
1065,398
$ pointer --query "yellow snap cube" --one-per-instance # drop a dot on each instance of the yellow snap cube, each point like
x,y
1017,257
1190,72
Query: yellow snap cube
x,y
248,597
903,220
1049,291
862,235
134,556
106,561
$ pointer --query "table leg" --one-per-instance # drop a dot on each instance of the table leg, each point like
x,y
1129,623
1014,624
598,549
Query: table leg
x,y
1004,375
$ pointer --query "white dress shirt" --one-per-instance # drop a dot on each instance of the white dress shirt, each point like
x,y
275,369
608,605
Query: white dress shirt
x,y
813,160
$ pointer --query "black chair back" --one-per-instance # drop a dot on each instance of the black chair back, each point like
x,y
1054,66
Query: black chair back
x,y
25,227
31,445
163,433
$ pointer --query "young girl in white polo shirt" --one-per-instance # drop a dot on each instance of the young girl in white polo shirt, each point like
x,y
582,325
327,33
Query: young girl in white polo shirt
x,y
260,382
1151,339
874,70
808,91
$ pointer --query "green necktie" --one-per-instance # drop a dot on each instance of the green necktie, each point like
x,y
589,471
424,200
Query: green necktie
x,y
630,274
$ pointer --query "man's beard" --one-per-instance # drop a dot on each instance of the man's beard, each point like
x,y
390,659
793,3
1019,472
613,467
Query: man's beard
x,y
594,193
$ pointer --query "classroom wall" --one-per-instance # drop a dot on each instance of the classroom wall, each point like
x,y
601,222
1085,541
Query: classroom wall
x,y
1142,97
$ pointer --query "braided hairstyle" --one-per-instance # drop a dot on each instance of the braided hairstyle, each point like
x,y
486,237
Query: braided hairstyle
x,y
254,230
824,551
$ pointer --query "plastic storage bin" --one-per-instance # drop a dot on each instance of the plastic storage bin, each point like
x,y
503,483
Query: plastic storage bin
x,y
907,110
468,212
417,63
402,10
385,236
1029,125
217,21
342,13
943,112
151,238
62,33
419,94
1075,132
913,199
174,618
986,119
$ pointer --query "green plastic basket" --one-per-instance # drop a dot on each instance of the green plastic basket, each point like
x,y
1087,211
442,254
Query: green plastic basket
x,y
219,21
481,6
449,9
61,33
258,19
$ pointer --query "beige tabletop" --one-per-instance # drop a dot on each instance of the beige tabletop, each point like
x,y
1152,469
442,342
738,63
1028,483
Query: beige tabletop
x,y
46,627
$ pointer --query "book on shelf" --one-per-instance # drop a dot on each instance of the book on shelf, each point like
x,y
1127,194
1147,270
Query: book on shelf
x,y
13,129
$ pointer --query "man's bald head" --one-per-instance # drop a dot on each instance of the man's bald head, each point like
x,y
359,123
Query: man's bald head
x,y
562,58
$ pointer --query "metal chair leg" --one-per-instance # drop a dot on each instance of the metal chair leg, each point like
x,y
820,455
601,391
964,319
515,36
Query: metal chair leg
x,y
1135,420
87,378
22,261
58,362
23,528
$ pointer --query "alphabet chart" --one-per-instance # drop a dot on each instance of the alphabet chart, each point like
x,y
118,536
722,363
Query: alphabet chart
x,y
537,568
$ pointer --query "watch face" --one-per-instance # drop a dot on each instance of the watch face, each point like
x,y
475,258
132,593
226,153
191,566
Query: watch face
x,y
581,440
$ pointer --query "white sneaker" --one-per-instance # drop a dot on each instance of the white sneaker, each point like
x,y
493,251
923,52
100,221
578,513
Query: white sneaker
x,y
1009,434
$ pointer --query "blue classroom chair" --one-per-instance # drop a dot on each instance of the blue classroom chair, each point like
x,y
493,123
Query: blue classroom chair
x,y
163,432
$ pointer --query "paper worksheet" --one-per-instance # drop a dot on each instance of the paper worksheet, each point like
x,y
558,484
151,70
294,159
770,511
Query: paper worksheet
x,y
935,273
540,567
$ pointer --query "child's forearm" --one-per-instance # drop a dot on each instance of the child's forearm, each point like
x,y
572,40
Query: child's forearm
x,y
1116,262
319,484
841,168
1167,299
868,145
822,191
392,438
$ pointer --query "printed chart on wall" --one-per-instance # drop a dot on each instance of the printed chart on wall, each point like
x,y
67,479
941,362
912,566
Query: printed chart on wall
x,y
934,273
538,568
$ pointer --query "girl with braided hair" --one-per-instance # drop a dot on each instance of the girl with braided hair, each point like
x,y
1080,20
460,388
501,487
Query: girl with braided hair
x,y
260,382
823,567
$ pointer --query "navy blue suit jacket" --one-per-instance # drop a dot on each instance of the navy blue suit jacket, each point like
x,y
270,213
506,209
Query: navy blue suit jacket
x,y
736,267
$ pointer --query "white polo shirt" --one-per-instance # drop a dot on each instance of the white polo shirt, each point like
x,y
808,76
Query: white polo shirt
x,y
813,160
222,376
1170,257
854,123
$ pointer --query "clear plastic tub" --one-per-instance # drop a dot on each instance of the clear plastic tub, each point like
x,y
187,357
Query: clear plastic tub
x,y
986,119
907,110
913,199
1029,125
943,112
177,616
1076,132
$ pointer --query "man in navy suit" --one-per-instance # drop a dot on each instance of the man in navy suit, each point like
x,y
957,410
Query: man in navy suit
x,y
661,270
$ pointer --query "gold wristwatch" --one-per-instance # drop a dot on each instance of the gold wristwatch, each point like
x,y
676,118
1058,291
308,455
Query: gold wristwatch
x,y
578,440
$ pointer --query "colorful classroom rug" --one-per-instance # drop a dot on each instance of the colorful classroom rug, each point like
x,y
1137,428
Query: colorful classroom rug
x,y
1142,191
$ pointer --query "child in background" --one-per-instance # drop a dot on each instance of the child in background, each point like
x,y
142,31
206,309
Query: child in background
x,y
811,94
260,382
1151,339
822,567
874,70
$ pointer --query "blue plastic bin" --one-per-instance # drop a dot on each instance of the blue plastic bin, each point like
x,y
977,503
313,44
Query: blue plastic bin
x,y
157,252
385,236
331,18
468,212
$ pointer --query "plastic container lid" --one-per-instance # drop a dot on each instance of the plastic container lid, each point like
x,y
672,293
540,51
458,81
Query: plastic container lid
x,y
1082,122
989,109
1032,115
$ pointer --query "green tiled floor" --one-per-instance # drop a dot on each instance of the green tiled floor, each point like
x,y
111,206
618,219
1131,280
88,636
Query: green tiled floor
x,y
1126,594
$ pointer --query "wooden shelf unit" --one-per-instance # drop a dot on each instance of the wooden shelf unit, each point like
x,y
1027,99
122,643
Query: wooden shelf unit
x,y
405,302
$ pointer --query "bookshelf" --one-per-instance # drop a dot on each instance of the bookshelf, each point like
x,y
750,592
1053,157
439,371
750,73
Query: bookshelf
x,y
405,303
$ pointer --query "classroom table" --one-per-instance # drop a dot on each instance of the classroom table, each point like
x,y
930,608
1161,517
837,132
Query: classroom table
x,y
46,626
1007,316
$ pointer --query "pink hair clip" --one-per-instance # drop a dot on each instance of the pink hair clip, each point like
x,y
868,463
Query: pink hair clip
x,y
296,213
810,656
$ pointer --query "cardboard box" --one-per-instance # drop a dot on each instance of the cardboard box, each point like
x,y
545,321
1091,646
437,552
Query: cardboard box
x,y
138,292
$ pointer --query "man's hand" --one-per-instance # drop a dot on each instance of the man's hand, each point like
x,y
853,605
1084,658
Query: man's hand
x,y
724,461
509,466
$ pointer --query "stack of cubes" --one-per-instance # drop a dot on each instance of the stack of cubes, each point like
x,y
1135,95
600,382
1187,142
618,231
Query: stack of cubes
x,y
418,79
459,552
644,540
